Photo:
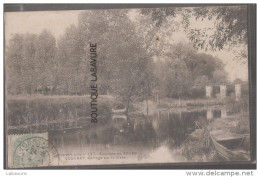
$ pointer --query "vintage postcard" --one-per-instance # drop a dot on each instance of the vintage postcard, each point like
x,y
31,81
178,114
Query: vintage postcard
x,y
127,86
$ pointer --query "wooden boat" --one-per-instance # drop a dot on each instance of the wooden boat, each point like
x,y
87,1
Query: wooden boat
x,y
235,151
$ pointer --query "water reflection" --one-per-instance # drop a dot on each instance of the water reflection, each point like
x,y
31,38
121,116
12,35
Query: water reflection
x,y
163,130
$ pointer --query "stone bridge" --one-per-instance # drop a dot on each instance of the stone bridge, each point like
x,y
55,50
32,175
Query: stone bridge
x,y
222,88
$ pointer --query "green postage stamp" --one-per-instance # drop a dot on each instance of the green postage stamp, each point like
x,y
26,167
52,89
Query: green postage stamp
x,y
29,150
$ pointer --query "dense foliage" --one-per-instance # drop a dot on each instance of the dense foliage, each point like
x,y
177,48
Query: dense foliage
x,y
133,59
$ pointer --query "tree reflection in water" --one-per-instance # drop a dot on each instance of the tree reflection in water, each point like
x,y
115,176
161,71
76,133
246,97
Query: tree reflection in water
x,y
167,129
153,131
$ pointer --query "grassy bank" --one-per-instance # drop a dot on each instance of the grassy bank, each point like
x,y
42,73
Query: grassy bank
x,y
198,146
38,109
169,103
59,98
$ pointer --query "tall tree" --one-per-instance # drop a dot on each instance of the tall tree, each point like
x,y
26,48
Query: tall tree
x,y
72,57
30,62
13,59
45,60
21,64
182,67
122,58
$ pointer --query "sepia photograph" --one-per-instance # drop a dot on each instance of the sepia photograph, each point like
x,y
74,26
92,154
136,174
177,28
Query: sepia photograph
x,y
127,86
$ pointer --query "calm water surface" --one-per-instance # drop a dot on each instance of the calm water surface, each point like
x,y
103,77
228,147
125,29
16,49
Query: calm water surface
x,y
117,138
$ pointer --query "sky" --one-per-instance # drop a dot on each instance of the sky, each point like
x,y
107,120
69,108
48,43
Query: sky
x,y
57,21
34,22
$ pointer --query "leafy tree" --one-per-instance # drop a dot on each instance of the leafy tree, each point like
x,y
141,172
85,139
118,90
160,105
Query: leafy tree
x,y
219,76
159,15
14,55
21,64
72,57
183,67
30,62
230,25
122,59
45,59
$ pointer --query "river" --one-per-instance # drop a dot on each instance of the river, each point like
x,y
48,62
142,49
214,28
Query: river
x,y
119,138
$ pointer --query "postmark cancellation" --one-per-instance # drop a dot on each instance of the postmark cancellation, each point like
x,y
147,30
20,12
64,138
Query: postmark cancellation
x,y
31,150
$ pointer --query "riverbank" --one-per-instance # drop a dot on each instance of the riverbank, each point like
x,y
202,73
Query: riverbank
x,y
180,105
163,103
65,97
169,103
199,146
238,124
